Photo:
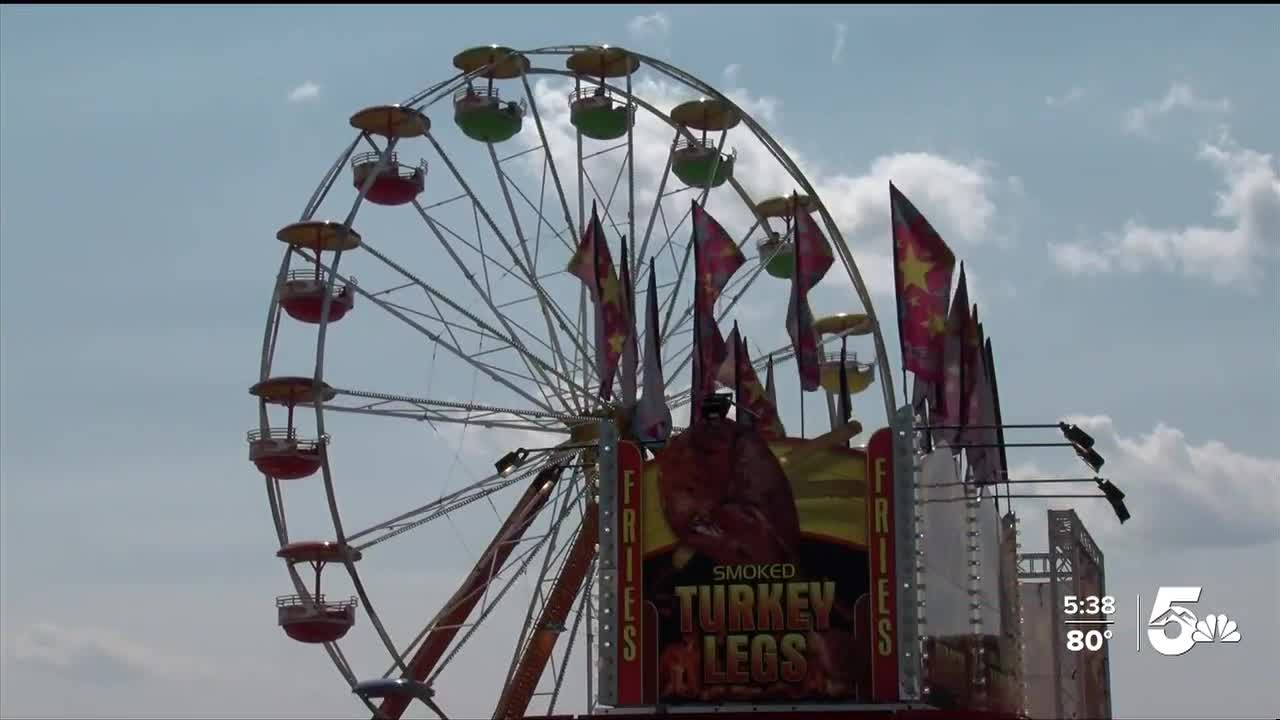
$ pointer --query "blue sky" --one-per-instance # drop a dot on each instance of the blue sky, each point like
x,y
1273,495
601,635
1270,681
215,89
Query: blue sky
x,y
1109,175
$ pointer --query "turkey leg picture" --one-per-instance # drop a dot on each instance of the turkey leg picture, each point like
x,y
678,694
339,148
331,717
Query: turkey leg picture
x,y
726,496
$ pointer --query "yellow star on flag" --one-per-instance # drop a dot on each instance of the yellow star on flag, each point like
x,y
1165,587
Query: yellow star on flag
x,y
914,270
936,324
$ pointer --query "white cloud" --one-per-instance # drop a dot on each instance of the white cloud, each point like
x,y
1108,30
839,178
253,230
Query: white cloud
x,y
837,52
1183,494
93,655
956,195
644,27
1017,187
1071,96
1138,119
730,74
304,92
1228,256
1078,259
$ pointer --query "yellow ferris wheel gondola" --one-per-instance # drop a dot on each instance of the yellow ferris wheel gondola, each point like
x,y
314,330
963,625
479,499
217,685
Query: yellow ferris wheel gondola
x,y
858,375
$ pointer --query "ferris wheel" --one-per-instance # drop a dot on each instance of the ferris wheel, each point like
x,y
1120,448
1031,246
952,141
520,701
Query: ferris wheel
x,y
500,170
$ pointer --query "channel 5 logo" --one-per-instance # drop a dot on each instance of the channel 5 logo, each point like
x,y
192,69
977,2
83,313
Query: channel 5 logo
x,y
1173,630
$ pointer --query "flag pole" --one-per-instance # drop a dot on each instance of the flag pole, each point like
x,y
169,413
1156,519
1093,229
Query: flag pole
x,y
802,408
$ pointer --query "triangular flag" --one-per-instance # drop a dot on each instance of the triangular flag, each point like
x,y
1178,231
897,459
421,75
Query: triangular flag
x,y
630,353
811,257
592,264
715,259
652,422
922,267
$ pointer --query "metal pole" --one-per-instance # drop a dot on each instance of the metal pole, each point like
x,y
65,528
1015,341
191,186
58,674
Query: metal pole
x,y
1026,497
631,180
1020,482
1009,445
1021,426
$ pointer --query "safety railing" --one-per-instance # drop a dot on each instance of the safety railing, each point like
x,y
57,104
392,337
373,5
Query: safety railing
x,y
364,162
698,146
317,601
592,92
477,93
772,242
487,97
309,275
287,437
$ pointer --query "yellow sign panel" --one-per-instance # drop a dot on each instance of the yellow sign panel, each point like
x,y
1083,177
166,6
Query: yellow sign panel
x,y
829,485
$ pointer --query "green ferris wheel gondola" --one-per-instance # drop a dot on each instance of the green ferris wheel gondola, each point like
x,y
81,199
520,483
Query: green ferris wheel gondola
x,y
697,164
483,116
598,116
777,256
480,112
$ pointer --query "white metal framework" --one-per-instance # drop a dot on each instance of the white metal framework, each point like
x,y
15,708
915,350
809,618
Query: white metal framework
x,y
482,278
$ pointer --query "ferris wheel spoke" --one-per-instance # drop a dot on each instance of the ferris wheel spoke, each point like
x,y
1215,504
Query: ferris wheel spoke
x,y
446,201
451,326
455,350
606,151
529,359
529,415
560,234
393,288
525,354
436,225
522,153
517,562
528,258
475,491
675,290
432,417
608,215
550,161
396,529
657,203
528,272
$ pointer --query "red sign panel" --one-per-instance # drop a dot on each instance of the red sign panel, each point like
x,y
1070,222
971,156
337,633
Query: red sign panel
x,y
883,575
630,564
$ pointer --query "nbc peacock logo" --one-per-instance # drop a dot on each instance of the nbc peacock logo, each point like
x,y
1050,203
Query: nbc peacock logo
x,y
1173,630
1216,628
